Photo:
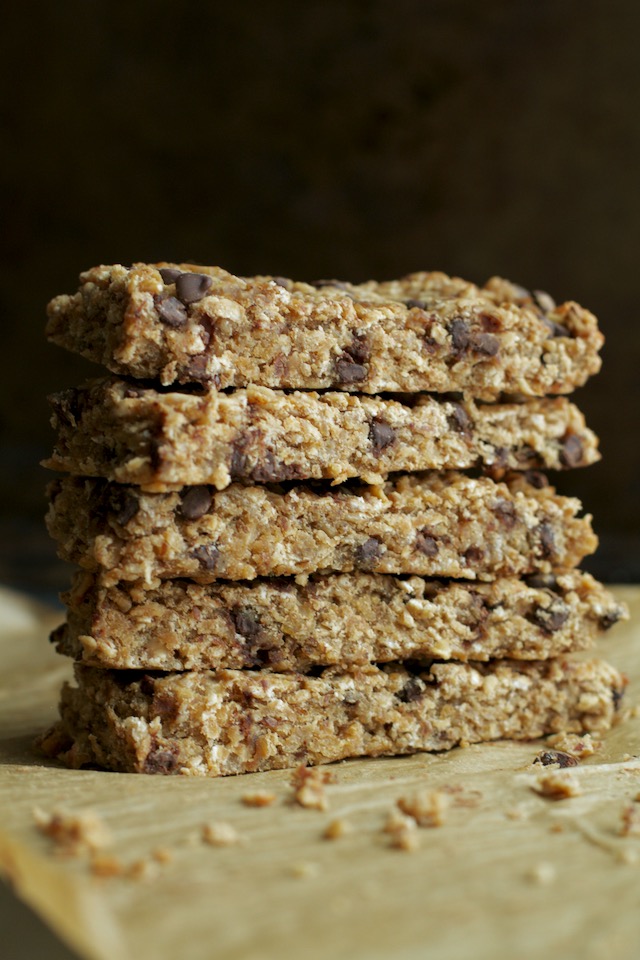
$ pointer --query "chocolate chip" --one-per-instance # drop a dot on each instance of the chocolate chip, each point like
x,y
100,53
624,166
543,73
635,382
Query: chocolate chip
x,y
349,372
191,287
413,690
608,619
430,345
282,282
551,618
616,696
368,552
572,451
547,538
197,368
195,502
246,623
460,335
160,761
381,435
484,343
339,284
207,556
359,349
536,479
459,420
169,274
147,685
238,462
505,511
556,329
544,300
542,581
155,453
171,312
165,705
473,555
124,505
416,304
426,544
547,757
269,470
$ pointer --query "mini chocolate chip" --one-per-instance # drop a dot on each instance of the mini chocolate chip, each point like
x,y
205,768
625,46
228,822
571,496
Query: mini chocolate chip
x,y
268,470
484,343
207,556
147,685
349,372
505,511
359,349
197,368
525,453
416,304
459,420
169,274
125,505
381,435
547,757
473,555
501,455
282,282
550,619
160,761
195,502
171,311
339,284
543,581
547,540
616,696
413,690
544,300
572,451
246,623
430,345
368,552
238,463
426,544
608,619
191,287
460,335
536,479
155,453
556,329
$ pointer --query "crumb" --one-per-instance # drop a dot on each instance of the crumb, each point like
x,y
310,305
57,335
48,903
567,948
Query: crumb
x,y
403,830
575,746
304,870
634,712
630,821
162,855
557,786
463,797
73,833
106,866
518,813
427,807
308,785
261,798
337,828
544,873
143,869
556,828
220,834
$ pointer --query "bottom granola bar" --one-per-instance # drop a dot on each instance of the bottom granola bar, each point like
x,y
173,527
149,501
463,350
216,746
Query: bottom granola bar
x,y
237,721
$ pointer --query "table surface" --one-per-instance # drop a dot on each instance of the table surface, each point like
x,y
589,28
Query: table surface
x,y
509,873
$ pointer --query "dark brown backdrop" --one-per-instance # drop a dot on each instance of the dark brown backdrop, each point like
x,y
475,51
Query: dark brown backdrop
x,y
322,139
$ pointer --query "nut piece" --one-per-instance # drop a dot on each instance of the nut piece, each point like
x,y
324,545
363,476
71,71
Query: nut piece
x,y
427,807
220,834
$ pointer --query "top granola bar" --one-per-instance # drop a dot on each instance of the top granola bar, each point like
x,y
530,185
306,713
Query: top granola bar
x,y
426,332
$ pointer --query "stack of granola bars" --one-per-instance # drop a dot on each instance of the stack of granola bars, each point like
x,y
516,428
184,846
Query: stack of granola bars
x,y
311,524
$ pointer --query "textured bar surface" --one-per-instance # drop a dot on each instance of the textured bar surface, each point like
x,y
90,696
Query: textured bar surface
x,y
236,721
131,434
426,332
433,524
339,619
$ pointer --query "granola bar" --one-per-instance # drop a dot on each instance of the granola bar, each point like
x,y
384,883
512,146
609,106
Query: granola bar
x,y
236,721
132,434
339,619
434,524
426,332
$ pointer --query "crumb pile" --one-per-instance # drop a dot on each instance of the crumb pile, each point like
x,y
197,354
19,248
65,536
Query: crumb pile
x,y
310,520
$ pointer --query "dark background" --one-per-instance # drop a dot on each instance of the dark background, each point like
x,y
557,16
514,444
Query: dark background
x,y
351,140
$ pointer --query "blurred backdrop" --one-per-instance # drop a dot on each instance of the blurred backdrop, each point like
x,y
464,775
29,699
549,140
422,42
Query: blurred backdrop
x,y
352,140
